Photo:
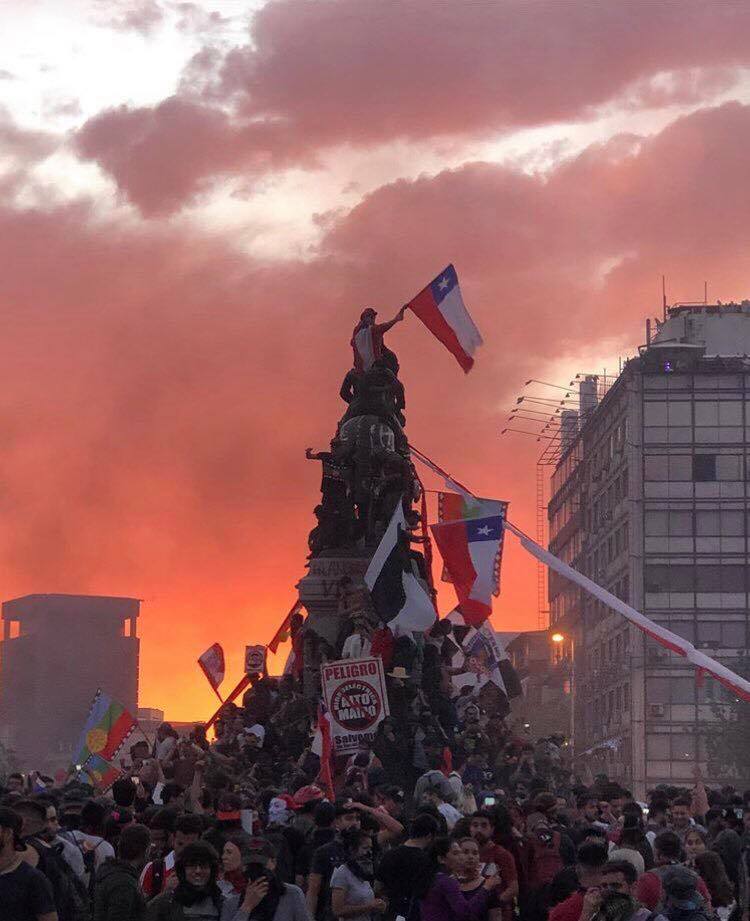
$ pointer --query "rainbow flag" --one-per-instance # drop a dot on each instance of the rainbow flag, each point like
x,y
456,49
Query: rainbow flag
x,y
100,773
106,729
462,507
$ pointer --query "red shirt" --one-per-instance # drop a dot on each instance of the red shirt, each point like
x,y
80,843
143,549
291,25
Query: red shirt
x,y
503,860
569,910
506,870
648,891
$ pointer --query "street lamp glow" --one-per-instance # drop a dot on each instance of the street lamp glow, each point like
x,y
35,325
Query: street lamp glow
x,y
557,638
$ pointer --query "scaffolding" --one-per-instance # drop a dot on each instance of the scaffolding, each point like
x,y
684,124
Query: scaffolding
x,y
543,410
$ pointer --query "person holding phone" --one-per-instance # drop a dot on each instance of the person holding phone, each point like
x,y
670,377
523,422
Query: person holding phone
x,y
483,829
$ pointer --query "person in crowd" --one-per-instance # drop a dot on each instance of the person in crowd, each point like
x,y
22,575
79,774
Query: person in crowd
x,y
632,838
709,866
586,817
728,845
68,891
496,860
166,742
51,835
444,900
328,856
614,899
196,895
694,844
668,853
118,896
405,872
658,811
590,862
352,893
267,897
234,859
435,796
89,839
682,900
471,877
680,817
16,783
25,893
170,833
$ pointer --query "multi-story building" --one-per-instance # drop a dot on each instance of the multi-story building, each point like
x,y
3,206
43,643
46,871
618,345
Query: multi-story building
x,y
650,500
56,651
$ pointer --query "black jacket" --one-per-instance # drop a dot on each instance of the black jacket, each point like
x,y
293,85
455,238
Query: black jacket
x,y
117,895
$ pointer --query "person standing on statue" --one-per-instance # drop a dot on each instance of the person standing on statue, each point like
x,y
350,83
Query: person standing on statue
x,y
367,340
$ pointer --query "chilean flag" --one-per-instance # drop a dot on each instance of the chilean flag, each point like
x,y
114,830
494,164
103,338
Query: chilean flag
x,y
441,308
470,548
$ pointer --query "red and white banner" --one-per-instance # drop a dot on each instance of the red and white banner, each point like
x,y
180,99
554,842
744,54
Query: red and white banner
x,y
255,660
734,682
212,664
356,701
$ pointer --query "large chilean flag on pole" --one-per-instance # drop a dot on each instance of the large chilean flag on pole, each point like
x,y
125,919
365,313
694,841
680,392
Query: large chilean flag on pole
x,y
470,548
441,308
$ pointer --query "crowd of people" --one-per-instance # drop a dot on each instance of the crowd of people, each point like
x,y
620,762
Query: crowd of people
x,y
451,815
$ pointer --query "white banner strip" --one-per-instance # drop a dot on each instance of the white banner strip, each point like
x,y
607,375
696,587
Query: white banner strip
x,y
733,681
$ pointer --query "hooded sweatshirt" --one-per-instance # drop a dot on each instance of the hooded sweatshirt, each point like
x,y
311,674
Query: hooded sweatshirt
x,y
118,896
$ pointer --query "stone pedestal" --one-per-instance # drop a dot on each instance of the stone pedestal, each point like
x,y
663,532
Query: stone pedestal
x,y
319,593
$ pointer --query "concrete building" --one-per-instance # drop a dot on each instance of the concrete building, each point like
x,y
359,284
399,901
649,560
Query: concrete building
x,y
545,707
56,651
649,498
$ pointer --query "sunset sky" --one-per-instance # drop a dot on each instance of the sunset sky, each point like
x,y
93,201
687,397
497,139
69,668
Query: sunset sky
x,y
198,199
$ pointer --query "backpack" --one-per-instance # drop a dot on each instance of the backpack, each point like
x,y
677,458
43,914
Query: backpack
x,y
545,860
69,892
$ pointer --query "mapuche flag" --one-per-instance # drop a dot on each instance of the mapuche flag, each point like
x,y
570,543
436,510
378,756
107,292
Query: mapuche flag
x,y
441,308
469,548
107,727
101,773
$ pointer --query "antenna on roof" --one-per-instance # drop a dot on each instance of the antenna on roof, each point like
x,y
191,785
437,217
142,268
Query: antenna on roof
x,y
705,292
664,296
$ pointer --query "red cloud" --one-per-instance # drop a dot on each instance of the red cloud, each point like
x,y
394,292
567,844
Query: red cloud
x,y
162,388
366,72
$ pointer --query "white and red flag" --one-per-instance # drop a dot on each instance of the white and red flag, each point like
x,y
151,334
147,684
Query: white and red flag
x,y
441,308
212,664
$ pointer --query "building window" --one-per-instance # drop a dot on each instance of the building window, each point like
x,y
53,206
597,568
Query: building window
x,y
716,522
657,746
720,577
704,468
663,577
672,467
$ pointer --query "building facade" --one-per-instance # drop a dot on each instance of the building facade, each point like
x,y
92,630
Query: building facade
x,y
544,709
56,651
650,500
